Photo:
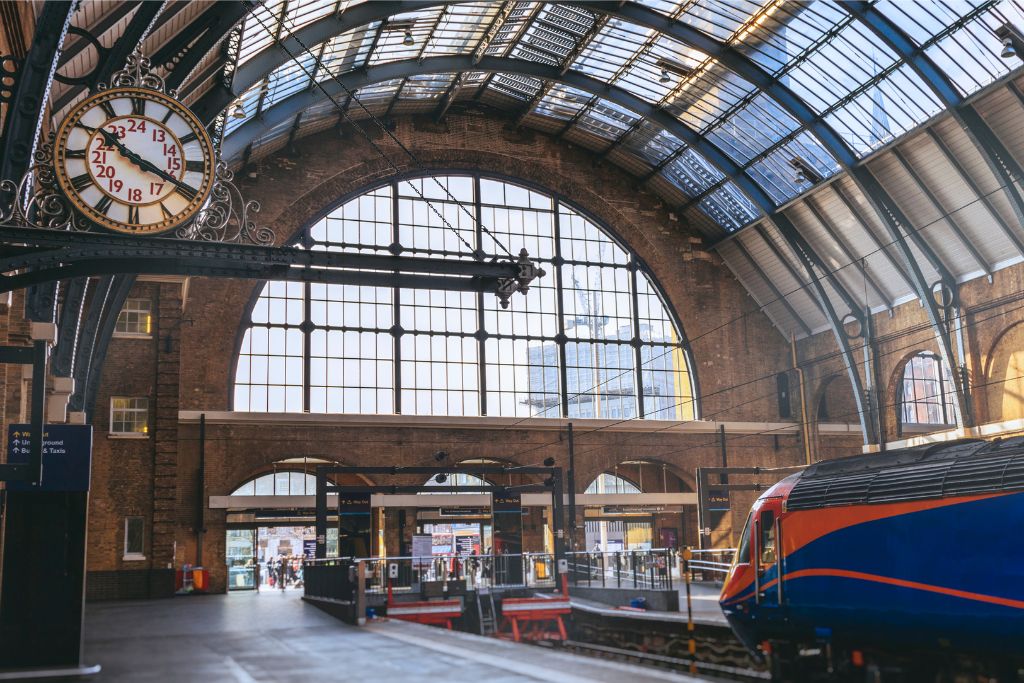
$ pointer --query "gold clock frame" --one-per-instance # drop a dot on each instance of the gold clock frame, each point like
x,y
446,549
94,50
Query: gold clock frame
x,y
101,219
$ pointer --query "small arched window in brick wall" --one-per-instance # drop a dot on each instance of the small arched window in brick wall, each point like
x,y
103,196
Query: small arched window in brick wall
x,y
926,392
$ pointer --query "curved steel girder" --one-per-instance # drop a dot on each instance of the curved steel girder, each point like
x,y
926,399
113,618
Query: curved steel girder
x,y
272,57
997,156
234,144
31,89
201,36
62,362
810,261
98,343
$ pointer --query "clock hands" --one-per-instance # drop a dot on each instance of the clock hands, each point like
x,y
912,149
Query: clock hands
x,y
148,166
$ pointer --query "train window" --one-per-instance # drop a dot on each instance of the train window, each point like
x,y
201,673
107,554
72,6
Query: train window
x,y
767,544
743,554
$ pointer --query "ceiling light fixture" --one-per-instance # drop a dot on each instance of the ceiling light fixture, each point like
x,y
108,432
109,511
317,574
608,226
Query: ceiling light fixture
x,y
665,78
408,40
805,173
1008,49
237,110
1013,41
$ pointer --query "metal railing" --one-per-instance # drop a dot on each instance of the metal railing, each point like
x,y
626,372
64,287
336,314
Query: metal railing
x,y
454,573
652,569
711,564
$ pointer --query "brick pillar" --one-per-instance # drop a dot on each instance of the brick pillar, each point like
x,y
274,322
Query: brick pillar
x,y
165,425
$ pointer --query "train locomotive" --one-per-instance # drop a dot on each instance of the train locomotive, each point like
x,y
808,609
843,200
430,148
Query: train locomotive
x,y
901,566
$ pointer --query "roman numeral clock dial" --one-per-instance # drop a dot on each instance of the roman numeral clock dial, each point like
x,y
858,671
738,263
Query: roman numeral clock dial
x,y
134,160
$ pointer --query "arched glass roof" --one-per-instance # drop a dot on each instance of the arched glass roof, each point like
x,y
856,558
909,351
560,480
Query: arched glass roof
x,y
706,64
841,122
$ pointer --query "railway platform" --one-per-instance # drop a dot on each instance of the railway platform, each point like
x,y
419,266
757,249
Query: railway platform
x,y
277,638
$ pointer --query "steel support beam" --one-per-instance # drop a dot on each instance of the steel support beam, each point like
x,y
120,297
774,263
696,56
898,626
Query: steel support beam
x,y
256,127
810,262
900,230
847,252
31,92
62,362
997,156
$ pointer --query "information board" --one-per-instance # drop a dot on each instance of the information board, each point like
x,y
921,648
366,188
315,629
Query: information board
x,y
67,456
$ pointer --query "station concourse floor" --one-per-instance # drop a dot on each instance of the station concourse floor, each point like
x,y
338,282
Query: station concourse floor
x,y
275,637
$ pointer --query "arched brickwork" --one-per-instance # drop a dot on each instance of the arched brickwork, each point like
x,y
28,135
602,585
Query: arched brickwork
x,y
714,310
1003,390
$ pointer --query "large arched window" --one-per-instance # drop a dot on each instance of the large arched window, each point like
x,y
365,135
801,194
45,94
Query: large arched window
x,y
593,338
926,393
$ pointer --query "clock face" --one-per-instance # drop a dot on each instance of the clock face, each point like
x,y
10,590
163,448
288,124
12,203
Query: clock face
x,y
134,160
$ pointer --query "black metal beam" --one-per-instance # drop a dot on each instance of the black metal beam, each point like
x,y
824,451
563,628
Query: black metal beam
x,y
900,230
63,360
116,57
199,38
31,92
256,127
869,231
57,248
112,305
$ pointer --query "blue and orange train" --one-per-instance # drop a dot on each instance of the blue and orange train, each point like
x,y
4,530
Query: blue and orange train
x,y
907,565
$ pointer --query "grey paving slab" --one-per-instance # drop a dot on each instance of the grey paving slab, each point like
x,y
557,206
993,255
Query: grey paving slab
x,y
274,637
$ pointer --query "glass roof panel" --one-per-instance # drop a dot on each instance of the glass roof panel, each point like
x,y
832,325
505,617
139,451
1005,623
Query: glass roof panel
x,y
250,100
969,54
607,120
254,37
706,96
288,79
691,173
554,34
614,46
516,85
651,143
561,102
346,51
776,173
461,28
391,47
788,30
879,113
753,129
720,18
426,86
513,26
850,59
728,207
378,92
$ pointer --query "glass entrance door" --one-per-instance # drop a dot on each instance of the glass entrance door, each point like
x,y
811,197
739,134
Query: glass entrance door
x,y
241,559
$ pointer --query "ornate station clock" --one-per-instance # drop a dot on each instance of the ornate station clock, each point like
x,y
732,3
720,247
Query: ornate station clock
x,y
134,160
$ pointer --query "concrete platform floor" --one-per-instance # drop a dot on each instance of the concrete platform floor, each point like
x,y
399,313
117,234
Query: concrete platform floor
x,y
275,637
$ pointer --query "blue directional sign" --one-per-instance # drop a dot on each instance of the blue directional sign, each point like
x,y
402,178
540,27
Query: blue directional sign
x,y
67,456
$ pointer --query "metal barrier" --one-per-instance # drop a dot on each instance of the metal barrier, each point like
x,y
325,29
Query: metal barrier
x,y
653,569
333,578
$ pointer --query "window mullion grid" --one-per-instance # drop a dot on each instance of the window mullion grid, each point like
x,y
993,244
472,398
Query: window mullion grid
x,y
307,348
396,315
560,339
638,378
481,336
